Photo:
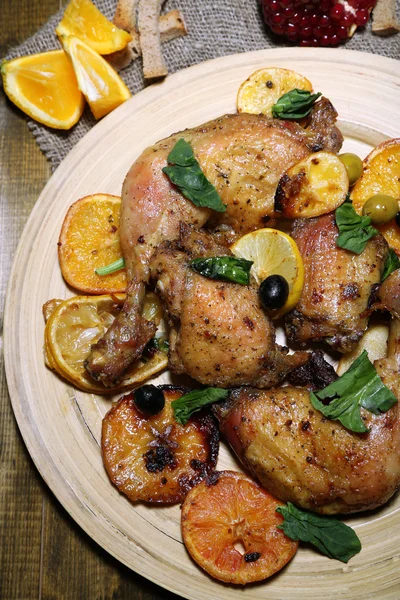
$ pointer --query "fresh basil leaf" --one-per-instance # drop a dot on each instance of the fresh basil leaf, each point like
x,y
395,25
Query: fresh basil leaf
x,y
295,104
117,265
194,401
359,386
392,263
354,230
226,268
332,537
185,172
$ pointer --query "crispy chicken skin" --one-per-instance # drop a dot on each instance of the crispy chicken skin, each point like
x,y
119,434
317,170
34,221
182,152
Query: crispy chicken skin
x,y
219,334
244,156
302,457
337,286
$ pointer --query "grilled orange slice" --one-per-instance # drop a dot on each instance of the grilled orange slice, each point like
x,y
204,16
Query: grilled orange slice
x,y
45,87
77,323
156,459
84,20
229,526
313,187
89,239
381,175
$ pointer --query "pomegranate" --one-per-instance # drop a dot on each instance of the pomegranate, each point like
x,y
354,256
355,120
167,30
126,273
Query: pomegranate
x,y
316,22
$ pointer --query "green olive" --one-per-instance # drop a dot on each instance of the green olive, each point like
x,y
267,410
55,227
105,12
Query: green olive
x,y
354,166
381,208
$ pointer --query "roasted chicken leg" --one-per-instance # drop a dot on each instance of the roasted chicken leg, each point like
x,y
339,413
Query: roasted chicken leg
x,y
302,457
219,335
337,285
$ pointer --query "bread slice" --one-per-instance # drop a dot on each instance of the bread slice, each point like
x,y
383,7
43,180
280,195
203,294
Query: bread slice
x,y
384,21
154,65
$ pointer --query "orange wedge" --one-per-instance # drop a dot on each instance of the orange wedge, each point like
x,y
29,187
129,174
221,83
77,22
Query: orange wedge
x,y
89,239
85,21
44,86
102,87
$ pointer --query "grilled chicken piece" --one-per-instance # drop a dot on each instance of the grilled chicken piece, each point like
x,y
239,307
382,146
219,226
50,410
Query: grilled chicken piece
x,y
244,156
337,286
302,457
320,125
219,334
389,293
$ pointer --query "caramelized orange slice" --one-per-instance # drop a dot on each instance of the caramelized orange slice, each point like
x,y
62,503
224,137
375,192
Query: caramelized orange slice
x,y
89,239
381,175
156,459
229,526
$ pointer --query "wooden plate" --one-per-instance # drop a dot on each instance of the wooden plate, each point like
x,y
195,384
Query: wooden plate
x,y
61,426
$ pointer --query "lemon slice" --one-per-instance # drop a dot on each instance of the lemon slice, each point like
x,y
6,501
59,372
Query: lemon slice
x,y
102,87
273,253
89,239
264,87
84,20
77,323
44,86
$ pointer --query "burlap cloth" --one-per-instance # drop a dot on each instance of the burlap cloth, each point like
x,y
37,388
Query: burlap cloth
x,y
216,28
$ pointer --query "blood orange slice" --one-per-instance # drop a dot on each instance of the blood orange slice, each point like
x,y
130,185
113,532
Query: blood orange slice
x,y
229,526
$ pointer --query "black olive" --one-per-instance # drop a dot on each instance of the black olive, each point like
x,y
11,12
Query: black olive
x,y
273,292
397,219
149,400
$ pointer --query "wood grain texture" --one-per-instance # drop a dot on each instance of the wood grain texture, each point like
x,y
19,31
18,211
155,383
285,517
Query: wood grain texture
x,y
44,554
61,426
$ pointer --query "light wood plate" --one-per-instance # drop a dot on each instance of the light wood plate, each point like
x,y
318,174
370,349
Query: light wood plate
x,y
61,426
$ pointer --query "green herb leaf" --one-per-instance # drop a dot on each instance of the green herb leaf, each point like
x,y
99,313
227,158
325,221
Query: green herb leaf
x,y
354,230
194,401
111,268
359,386
332,537
185,172
295,104
392,263
226,268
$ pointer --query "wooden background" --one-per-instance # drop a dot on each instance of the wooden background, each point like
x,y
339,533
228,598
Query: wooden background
x,y
43,554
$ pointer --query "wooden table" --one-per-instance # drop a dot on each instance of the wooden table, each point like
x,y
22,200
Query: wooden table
x,y
43,553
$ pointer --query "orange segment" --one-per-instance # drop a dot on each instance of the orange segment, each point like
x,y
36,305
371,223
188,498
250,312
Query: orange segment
x,y
381,175
89,239
44,86
229,526
102,87
84,20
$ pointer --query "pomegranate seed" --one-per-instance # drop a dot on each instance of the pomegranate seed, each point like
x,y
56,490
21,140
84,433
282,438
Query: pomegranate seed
x,y
362,17
337,11
324,21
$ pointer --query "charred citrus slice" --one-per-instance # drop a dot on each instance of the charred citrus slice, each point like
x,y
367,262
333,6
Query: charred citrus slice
x,y
84,20
45,87
102,87
229,526
155,459
79,322
89,239
313,187
381,175
273,253
264,87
